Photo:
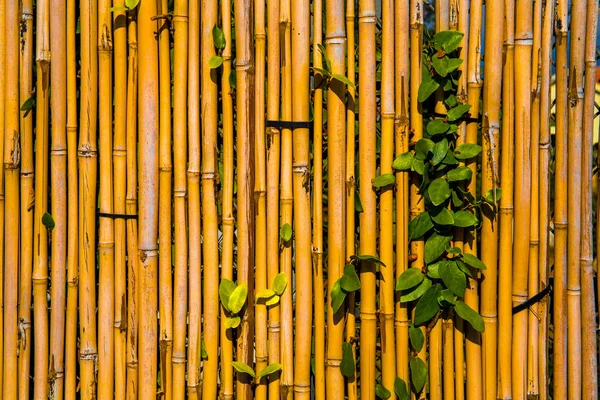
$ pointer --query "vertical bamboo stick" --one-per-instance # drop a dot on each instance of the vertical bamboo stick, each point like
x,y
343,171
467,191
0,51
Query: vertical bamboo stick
x,y
589,344
11,158
180,63
2,192
210,235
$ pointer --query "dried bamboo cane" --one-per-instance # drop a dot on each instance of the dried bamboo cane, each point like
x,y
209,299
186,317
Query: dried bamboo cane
x,y
273,163
337,179
106,239
73,207
260,189
506,210
285,266
180,281
27,199
574,148
39,277
119,159
560,208
87,152
386,202
589,344
2,192
245,181
12,163
210,236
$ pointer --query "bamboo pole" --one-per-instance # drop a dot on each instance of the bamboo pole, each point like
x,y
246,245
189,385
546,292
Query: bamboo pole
x,y
2,192
386,202
589,376
87,152
71,350
180,64
12,159
40,238
273,163
106,239
119,159
245,181
560,208
210,237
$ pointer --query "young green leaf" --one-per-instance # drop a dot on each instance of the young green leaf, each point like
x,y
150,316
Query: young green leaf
x,y
435,246
447,296
489,195
444,65
232,78
409,279
218,37
403,162
268,370
461,173
226,287
285,232
416,338
347,365
48,221
418,167
438,191
358,207
466,151
427,88
232,322
458,111
427,306
215,62
473,261
368,258
448,41
417,292
279,283
454,278
382,392
238,298
29,103
117,9
337,296
242,368
422,148
322,71
401,389
470,315
433,270
383,180
420,225
418,373
343,79
265,294
271,301
465,219
439,151
443,217
349,280
437,126
204,353
451,101
131,4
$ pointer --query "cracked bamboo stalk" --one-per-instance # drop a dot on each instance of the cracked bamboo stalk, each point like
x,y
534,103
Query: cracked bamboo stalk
x,y
180,281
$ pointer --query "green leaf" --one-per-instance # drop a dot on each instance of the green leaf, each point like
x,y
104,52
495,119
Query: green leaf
x,y
368,258
226,287
416,338
382,392
242,368
238,298
322,71
451,101
350,281
465,219
462,266
232,322
409,279
344,79
215,62
454,278
458,111
453,250
279,283
131,4
447,296
447,41
272,301
444,217
358,207
435,246
461,173
29,104
437,126
117,9
285,232
439,151
466,151
433,270
401,389
473,261
383,180
422,148
444,65
403,162
420,225
470,315
489,195
450,159
439,191
417,292
232,78
427,88
418,166
265,294
427,306
268,370
347,365
418,373
204,354
48,221
337,296
218,37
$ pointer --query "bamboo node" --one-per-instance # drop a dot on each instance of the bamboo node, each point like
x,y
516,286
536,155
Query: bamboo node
x,y
208,175
163,168
368,315
401,322
58,152
388,115
86,355
180,18
178,359
367,17
334,362
302,388
335,38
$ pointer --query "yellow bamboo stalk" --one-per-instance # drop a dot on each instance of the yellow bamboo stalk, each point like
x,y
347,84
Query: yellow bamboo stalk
x,y
544,207
11,159
2,192
131,207
286,198
574,148
210,236
71,350
193,180
589,376
27,198
88,200
273,163
260,193
180,63
386,202
245,182
506,210
40,238
560,208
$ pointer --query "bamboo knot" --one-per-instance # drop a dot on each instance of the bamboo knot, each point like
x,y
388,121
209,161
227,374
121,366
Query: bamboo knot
x,y
401,322
179,193
274,327
180,18
178,359
208,175
164,168
260,36
388,115
368,315
262,359
39,280
367,17
335,38
88,355
87,153
302,388
334,362
58,152
228,221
